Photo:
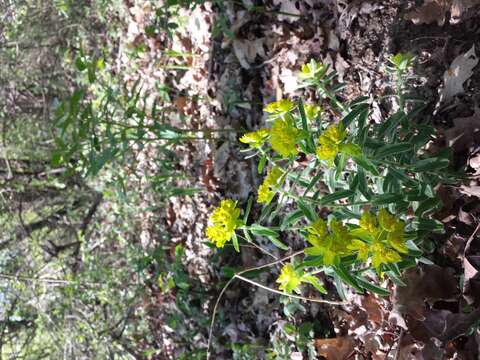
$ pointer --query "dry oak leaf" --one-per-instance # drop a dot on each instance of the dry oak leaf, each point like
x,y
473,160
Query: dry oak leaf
x,y
247,50
431,11
459,71
428,283
462,136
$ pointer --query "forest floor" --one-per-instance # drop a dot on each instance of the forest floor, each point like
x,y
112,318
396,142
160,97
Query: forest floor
x,y
231,74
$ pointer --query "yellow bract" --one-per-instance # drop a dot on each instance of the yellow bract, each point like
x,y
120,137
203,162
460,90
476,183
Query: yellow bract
x,y
289,279
328,245
387,238
266,190
329,141
279,107
255,139
284,137
224,220
312,111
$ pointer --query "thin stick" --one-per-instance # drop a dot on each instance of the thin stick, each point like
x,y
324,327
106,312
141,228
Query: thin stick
x,y
323,301
237,275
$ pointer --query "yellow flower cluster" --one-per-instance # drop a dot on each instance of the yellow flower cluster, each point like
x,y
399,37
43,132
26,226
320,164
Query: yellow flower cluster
x,y
255,139
266,190
224,220
312,111
284,137
330,143
385,238
311,70
289,279
279,107
331,245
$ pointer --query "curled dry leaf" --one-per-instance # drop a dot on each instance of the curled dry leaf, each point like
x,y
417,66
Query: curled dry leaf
x,y
459,71
335,349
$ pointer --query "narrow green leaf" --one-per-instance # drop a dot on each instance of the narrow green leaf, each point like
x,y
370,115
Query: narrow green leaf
x,y
291,219
393,149
278,243
331,198
262,230
309,213
430,164
366,164
235,242
347,278
373,288
384,199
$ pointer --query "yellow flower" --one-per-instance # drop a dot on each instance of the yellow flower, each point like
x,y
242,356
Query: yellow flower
x,y
368,222
362,248
329,141
266,190
224,220
311,70
289,279
385,238
255,139
381,254
284,137
331,246
312,111
279,107
386,220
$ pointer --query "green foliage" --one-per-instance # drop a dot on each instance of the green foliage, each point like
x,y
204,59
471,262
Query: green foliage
x,y
380,180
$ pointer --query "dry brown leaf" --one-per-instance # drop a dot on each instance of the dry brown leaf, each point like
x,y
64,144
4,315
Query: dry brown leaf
x,y
462,135
459,71
335,349
288,7
428,283
459,7
431,11
247,50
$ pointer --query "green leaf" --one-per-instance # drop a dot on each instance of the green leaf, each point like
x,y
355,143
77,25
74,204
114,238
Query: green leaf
x,y
347,278
393,149
247,210
330,198
347,120
275,241
312,183
384,199
430,164
429,225
291,219
391,123
366,164
427,206
235,242
261,164
313,280
262,230
373,288
310,147
309,213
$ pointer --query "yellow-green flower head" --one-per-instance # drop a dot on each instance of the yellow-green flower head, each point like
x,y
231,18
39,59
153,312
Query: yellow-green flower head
x,y
381,254
329,142
387,236
289,279
284,137
368,222
311,70
224,220
312,111
279,107
266,191
331,245
255,139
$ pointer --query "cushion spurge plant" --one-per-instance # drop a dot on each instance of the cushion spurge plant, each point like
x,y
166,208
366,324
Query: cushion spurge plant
x,y
373,183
